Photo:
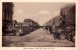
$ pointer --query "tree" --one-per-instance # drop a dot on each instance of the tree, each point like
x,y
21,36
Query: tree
x,y
7,12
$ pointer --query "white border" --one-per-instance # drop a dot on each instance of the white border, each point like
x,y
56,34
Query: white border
x,y
34,48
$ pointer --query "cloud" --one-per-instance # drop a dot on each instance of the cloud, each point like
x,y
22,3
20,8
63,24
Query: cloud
x,y
44,12
19,11
43,16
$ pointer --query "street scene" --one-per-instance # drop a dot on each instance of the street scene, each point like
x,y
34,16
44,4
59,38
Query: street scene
x,y
38,24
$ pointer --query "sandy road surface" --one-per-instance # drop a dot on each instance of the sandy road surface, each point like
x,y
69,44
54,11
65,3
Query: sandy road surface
x,y
37,38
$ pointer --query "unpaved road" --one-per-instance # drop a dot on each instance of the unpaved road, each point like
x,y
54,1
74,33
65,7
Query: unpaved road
x,y
37,38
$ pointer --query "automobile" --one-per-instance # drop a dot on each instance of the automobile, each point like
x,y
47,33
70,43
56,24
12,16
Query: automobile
x,y
68,34
10,30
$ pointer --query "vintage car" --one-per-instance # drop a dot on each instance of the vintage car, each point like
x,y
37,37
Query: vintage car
x,y
67,33
10,30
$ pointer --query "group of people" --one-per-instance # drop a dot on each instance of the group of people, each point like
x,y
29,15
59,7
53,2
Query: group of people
x,y
56,31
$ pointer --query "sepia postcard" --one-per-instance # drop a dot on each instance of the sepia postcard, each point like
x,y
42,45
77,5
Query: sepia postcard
x,y
38,25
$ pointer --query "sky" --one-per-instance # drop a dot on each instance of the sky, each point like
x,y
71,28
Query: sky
x,y
39,12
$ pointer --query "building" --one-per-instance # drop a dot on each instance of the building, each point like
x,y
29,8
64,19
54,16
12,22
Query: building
x,y
68,15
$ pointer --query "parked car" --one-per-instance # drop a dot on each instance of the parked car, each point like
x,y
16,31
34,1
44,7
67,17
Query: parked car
x,y
66,33
10,30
